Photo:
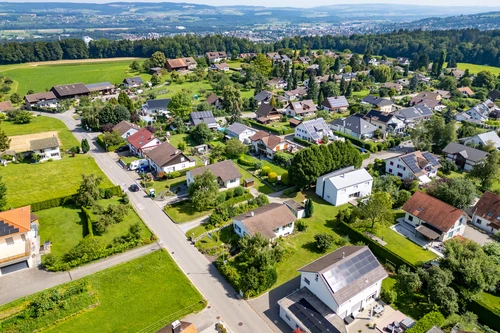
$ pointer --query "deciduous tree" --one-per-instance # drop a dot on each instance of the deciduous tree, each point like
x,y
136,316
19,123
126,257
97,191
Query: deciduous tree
x,y
3,194
202,134
4,141
181,105
158,59
88,192
235,148
486,171
203,191
377,208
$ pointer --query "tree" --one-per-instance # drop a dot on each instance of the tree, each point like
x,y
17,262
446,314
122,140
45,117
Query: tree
x,y
413,83
124,100
458,192
336,65
377,208
235,148
486,171
440,63
158,59
135,66
155,80
88,192
263,65
16,98
23,117
485,79
202,134
203,191
232,102
3,194
448,83
85,146
312,88
121,113
323,242
439,291
407,282
181,104
4,141
309,208
452,63
381,73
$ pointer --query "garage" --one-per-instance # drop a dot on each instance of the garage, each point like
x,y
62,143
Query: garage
x,y
14,267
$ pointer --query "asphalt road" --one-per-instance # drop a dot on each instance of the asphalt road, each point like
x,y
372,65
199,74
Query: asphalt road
x,y
237,313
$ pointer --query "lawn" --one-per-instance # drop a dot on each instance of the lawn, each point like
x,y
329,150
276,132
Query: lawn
x,y
161,185
212,245
260,186
41,124
491,301
194,88
474,69
361,94
415,307
178,138
184,211
40,78
144,294
29,183
274,168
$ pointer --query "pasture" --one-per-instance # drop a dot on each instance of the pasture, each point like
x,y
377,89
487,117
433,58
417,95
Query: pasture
x,y
474,69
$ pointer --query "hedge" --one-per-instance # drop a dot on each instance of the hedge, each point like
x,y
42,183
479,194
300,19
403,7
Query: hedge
x,y
427,322
100,141
302,142
485,314
269,129
88,219
371,146
245,162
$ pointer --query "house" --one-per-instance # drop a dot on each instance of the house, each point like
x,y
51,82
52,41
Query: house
x,y
263,97
223,67
432,104
133,82
333,287
226,172
142,141
340,186
176,65
374,62
424,95
313,69
443,93
391,85
479,112
417,165
41,100
46,149
240,132
274,56
247,55
494,95
155,70
267,113
305,108
434,219
455,72
335,104
167,158
484,139
354,126
215,101
423,79
387,123
73,90
314,131
464,157
126,128
207,117
486,212
403,61
270,221
159,106
305,60
414,114
382,104
217,56
298,93
6,106
103,88
466,91
19,239
297,209
266,144
277,83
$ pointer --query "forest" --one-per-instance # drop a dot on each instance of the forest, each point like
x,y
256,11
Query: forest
x,y
469,45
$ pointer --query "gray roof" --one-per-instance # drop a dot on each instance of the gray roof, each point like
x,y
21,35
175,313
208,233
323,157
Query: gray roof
x,y
336,102
490,136
207,117
158,103
316,126
51,142
225,170
133,80
266,219
123,126
99,86
415,112
69,90
355,124
435,329
347,271
472,154
378,101
237,128
35,98
263,95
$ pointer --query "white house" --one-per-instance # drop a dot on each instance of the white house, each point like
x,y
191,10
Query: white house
x,y
19,240
45,100
486,212
464,157
226,172
417,165
167,158
335,286
133,82
298,209
314,130
305,108
434,219
142,141
266,144
383,104
387,123
484,139
240,132
46,149
277,83
159,106
271,221
340,186
126,128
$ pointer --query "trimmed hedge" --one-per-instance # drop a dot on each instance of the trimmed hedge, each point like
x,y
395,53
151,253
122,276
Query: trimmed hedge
x,y
88,219
269,129
485,314
427,322
245,162
302,142
371,146
100,141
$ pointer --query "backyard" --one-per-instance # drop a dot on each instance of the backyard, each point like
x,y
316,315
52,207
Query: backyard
x,y
30,183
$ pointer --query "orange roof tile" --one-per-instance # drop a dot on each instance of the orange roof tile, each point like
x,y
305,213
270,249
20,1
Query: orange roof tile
x,y
18,217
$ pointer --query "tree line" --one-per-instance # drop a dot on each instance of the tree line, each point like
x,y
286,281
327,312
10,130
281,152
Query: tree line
x,y
468,45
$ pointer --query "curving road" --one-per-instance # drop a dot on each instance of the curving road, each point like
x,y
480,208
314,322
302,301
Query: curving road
x,y
237,313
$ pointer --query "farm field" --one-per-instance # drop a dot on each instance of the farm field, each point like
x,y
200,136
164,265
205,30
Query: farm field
x,y
29,183
40,77
473,69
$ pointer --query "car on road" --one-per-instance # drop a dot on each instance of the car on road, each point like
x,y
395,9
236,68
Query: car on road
x,y
133,188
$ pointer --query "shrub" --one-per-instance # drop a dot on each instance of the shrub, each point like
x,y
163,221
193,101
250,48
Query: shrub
x,y
243,161
301,225
265,171
389,295
284,178
290,191
161,175
174,174
108,193
272,177
221,197
257,165
239,191
229,193
323,242
426,322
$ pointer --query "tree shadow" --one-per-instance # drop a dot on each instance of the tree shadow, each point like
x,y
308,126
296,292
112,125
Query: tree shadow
x,y
311,247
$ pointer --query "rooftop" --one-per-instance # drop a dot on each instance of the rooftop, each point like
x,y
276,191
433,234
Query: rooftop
x,y
163,154
16,220
141,138
488,208
347,177
469,153
264,220
123,126
45,143
225,170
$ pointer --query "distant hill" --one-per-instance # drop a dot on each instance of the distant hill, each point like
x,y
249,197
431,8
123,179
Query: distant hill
x,y
482,21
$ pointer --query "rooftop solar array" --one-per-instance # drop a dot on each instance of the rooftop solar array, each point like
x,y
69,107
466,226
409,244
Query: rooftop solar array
x,y
311,318
429,157
7,229
411,162
350,270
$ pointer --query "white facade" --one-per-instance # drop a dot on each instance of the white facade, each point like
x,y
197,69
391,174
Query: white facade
x,y
48,153
457,229
395,166
231,183
18,247
244,136
268,152
313,134
483,224
339,187
148,146
184,164
241,230
129,132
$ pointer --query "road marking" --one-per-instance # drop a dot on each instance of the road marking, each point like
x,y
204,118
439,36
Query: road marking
x,y
140,206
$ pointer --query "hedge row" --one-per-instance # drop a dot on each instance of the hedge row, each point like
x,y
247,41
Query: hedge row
x,y
485,314
371,146
88,219
100,141
270,129
302,142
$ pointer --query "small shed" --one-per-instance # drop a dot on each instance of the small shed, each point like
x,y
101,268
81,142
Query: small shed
x,y
249,182
295,121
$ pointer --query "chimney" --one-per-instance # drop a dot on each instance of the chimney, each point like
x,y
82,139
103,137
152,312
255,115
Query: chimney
x,y
252,213
343,255
176,326
177,151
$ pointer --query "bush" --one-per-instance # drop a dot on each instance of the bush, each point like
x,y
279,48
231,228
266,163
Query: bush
x,y
221,197
272,177
229,193
239,191
302,142
284,178
108,193
427,322
174,174
161,175
301,225
257,165
290,191
389,295
265,171
243,161
323,242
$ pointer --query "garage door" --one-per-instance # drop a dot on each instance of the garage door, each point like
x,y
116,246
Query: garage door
x,y
14,267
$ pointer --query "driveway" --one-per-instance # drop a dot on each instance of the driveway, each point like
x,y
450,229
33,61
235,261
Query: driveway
x,y
381,155
477,235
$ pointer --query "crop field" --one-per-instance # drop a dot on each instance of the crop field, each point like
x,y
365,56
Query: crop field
x,y
473,69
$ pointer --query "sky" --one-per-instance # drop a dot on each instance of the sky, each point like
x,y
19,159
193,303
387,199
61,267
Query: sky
x,y
300,3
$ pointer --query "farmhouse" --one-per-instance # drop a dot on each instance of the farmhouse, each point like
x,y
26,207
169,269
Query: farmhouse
x,y
223,67
126,128
380,103
434,219
240,132
271,221
46,149
340,186
305,108
387,123
417,165
159,106
464,157
335,104
484,139
103,88
19,240
133,82
354,126
6,106
267,113
41,100
216,56
206,117
226,172
167,158
334,287
314,131
486,212
266,144
73,90
142,141
181,64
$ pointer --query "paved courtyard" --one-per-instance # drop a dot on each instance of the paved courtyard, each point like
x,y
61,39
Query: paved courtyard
x,y
477,235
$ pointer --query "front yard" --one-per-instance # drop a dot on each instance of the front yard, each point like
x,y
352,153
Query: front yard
x,y
30,183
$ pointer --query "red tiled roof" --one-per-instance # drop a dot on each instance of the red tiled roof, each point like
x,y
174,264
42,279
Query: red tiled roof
x,y
488,207
141,138
19,218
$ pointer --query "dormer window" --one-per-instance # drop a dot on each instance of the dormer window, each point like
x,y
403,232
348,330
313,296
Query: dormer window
x,y
419,209
490,214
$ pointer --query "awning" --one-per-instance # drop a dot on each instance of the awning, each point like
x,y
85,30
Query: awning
x,y
424,179
429,233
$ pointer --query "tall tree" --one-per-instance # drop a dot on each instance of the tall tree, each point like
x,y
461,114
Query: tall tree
x,y
3,194
124,100
336,65
312,88
158,59
440,63
487,171
181,105
459,192
232,102
4,141
377,208
203,191
88,192
263,64
85,146
202,134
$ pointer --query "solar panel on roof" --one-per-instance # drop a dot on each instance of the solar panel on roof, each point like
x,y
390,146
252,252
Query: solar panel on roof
x,y
429,157
311,318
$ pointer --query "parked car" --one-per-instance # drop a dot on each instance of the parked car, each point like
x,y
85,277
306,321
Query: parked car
x,y
138,164
121,149
133,188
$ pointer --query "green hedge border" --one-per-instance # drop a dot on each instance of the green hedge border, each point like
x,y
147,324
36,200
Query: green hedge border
x,y
302,142
100,142
270,129
485,314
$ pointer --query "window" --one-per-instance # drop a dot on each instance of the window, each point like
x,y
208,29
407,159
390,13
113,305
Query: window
x,y
450,234
461,221
390,170
54,154
317,277
307,281
237,228
9,241
23,237
392,163
410,218
479,221
400,174
286,316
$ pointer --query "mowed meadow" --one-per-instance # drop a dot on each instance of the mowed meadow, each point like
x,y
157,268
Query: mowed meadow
x,y
41,77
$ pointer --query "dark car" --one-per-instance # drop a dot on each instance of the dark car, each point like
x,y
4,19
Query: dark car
x,y
121,149
133,188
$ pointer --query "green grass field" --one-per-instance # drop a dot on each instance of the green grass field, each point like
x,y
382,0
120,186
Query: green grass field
x,y
473,69
29,183
42,77
41,124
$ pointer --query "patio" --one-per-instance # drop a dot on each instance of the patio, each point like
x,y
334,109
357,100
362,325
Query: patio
x,y
384,319
408,231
